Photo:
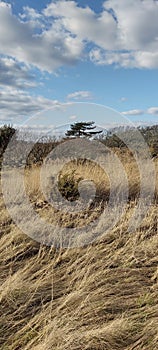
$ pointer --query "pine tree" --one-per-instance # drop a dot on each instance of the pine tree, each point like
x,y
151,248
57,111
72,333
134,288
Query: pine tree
x,y
82,129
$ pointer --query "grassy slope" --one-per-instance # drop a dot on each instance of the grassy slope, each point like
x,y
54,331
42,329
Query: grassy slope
x,y
104,296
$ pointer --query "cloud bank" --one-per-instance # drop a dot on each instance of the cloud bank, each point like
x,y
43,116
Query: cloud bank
x,y
124,33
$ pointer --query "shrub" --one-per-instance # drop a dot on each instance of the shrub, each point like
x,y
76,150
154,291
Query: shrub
x,y
68,185
6,133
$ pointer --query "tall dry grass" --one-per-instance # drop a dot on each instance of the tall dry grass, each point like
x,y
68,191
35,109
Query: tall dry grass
x,y
100,296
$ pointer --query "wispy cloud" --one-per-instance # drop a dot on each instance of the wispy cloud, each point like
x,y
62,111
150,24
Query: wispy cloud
x,y
151,110
73,117
16,104
123,99
80,95
134,112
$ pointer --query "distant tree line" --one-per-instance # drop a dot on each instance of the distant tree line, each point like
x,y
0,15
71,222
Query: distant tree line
x,y
149,133
83,129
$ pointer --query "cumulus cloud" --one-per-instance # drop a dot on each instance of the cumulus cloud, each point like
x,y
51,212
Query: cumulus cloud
x,y
30,13
132,59
137,22
84,23
80,95
16,104
101,57
12,74
124,33
45,48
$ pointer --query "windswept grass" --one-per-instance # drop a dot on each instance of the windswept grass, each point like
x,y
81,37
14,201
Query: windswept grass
x,y
100,296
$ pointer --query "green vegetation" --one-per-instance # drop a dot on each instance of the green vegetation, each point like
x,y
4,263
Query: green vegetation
x,y
68,185
82,129
6,133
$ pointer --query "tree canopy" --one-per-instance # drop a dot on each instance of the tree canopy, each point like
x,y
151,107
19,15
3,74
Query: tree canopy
x,y
82,129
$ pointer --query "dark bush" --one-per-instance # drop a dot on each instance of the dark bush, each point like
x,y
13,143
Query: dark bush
x,y
6,133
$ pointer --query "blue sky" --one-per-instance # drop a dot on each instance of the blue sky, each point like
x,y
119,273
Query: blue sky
x,y
56,52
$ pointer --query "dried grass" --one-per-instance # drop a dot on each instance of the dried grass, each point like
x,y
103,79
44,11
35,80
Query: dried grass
x,y
101,296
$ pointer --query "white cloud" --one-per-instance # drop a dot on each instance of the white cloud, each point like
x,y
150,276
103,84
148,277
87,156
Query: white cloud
x,y
124,33
12,74
34,18
134,112
60,35
123,59
153,110
130,59
84,23
73,117
123,99
137,23
16,104
80,95
45,48
30,13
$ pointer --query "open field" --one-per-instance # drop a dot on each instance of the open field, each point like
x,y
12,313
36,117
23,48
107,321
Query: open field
x,y
95,297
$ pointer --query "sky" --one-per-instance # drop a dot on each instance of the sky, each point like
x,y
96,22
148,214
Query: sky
x,y
61,57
